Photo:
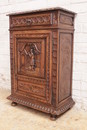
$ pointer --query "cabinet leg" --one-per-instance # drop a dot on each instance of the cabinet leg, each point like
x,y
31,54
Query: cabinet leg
x,y
14,104
53,117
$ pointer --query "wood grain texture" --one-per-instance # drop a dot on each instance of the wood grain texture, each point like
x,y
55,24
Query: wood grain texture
x,y
65,65
41,53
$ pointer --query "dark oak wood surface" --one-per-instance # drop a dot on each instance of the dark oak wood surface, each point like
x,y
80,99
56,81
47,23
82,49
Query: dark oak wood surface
x,y
41,53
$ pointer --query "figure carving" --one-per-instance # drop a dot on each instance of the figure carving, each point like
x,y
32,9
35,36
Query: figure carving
x,y
33,51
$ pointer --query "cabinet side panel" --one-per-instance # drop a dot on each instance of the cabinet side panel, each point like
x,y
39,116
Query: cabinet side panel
x,y
12,62
65,65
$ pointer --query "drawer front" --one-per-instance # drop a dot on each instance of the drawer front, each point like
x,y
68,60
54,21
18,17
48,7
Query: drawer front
x,y
31,20
31,88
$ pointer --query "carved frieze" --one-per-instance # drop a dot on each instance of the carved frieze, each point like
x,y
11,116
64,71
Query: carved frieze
x,y
42,19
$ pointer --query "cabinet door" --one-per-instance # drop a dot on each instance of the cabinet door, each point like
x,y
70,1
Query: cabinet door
x,y
32,64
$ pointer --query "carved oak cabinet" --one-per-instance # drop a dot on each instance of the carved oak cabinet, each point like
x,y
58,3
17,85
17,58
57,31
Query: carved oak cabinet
x,y
41,53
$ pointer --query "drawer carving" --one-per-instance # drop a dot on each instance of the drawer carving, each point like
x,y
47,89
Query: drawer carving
x,y
44,19
31,88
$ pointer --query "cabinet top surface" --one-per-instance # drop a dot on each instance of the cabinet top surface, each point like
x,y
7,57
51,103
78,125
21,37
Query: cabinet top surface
x,y
40,10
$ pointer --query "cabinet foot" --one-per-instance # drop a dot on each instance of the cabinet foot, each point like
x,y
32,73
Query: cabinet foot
x,y
13,104
53,117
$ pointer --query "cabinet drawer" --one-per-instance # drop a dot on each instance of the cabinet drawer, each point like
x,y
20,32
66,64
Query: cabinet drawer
x,y
31,20
30,88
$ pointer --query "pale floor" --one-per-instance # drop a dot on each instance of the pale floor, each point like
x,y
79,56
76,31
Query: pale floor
x,y
23,118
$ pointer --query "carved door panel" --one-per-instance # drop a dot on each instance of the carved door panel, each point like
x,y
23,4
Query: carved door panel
x,y
32,64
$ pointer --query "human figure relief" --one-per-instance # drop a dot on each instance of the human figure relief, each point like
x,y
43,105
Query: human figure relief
x,y
33,51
